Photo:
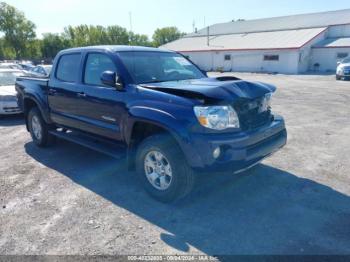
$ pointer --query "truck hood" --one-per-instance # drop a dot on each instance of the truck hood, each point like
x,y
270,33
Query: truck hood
x,y
212,88
7,91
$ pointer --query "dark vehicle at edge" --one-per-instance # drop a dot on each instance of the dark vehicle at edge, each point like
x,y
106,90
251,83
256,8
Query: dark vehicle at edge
x,y
155,109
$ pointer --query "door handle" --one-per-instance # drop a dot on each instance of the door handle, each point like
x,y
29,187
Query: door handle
x,y
81,94
52,91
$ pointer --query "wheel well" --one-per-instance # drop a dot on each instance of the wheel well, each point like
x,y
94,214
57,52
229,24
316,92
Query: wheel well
x,y
28,104
140,131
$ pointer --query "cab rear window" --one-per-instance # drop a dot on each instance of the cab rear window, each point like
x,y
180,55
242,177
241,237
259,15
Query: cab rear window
x,y
68,67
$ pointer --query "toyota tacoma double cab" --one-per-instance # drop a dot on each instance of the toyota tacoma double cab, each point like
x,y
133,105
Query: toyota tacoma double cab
x,y
155,110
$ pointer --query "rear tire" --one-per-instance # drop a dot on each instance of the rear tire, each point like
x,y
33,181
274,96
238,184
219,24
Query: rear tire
x,y
39,129
177,176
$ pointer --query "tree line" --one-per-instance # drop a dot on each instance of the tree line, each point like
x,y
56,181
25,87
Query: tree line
x,y
19,41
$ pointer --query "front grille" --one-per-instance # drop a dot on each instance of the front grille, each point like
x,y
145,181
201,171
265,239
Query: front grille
x,y
12,109
252,115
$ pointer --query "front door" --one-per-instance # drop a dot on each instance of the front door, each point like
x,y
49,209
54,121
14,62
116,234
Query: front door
x,y
103,106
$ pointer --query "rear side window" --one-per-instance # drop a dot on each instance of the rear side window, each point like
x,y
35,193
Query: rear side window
x,y
68,67
96,64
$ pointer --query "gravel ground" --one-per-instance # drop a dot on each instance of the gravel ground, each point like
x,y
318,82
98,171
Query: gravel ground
x,y
70,200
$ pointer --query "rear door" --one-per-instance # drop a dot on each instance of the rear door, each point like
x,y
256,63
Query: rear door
x,y
104,106
64,95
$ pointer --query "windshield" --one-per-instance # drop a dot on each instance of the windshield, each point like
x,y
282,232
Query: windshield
x,y
152,67
48,68
346,60
8,78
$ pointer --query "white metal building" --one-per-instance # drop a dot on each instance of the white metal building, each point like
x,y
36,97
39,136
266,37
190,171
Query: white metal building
x,y
289,44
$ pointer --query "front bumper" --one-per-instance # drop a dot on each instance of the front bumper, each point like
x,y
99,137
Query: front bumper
x,y
239,151
9,108
344,77
343,73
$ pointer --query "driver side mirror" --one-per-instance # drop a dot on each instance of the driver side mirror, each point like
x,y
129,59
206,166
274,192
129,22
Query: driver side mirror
x,y
112,79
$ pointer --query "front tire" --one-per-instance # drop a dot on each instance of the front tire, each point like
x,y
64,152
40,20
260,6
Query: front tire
x,y
39,129
162,169
337,77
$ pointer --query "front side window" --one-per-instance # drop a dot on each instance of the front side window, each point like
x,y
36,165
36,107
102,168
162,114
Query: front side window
x,y
68,67
346,60
96,64
152,67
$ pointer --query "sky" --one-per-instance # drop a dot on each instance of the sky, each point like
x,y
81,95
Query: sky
x,y
148,15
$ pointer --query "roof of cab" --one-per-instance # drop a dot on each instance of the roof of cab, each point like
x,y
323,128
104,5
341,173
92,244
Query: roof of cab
x,y
115,48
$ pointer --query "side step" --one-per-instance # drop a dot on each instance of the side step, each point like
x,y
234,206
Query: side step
x,y
105,147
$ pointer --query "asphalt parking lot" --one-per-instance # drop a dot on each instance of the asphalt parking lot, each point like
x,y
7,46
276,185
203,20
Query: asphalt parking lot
x,y
71,200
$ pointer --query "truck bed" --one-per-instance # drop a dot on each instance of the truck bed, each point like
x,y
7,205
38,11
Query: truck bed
x,y
32,86
33,80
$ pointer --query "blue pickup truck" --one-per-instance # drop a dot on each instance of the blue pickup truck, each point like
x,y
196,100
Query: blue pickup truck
x,y
154,109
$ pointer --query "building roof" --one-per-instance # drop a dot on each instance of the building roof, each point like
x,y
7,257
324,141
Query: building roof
x,y
334,43
289,39
314,20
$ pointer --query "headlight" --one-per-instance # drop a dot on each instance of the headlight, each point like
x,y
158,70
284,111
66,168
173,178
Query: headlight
x,y
266,104
217,117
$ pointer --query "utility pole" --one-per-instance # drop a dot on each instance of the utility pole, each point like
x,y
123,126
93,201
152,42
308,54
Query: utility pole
x,y
194,26
208,36
130,20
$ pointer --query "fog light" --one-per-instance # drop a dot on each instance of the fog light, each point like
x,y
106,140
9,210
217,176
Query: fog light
x,y
216,152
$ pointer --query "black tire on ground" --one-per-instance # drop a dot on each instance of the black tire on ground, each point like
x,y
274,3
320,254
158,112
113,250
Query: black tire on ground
x,y
183,176
46,138
337,77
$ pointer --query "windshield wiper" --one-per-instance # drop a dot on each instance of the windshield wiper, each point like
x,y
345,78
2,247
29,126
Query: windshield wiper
x,y
153,81
172,80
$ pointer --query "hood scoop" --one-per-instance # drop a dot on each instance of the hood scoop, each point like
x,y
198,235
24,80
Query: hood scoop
x,y
227,78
